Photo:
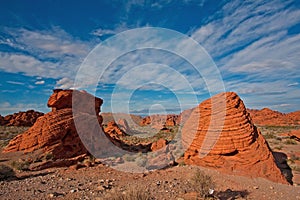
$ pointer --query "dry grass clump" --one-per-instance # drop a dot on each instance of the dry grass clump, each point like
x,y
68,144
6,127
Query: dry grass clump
x,y
202,183
132,193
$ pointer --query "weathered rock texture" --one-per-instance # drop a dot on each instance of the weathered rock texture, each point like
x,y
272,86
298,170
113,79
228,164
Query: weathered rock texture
x,y
27,118
267,116
114,129
233,145
55,132
160,121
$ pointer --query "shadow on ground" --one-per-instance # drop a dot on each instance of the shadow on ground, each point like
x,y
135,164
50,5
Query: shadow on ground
x,y
8,174
231,195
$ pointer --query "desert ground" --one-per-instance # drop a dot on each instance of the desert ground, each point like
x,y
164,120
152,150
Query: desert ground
x,y
42,170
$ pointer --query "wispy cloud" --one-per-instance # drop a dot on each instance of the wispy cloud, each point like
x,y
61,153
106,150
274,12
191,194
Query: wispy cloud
x,y
46,53
8,108
15,82
252,45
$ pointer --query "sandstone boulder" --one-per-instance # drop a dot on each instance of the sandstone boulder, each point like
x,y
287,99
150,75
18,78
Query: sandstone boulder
x,y
61,99
55,132
113,129
159,144
220,134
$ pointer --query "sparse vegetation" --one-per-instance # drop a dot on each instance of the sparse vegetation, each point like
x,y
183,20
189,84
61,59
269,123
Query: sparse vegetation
x,y
49,156
295,168
129,158
20,165
290,142
133,193
167,135
278,147
141,161
202,183
9,132
269,136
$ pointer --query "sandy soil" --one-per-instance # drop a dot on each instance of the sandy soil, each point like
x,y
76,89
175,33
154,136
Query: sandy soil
x,y
102,182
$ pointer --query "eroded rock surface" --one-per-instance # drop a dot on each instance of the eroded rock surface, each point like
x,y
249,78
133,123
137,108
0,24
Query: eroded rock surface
x,y
55,132
27,118
220,134
267,116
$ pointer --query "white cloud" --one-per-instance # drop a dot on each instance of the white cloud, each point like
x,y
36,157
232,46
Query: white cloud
x,y
293,84
257,56
42,82
65,83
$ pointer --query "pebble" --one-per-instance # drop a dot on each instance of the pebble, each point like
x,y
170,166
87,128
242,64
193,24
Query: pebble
x,y
255,187
73,191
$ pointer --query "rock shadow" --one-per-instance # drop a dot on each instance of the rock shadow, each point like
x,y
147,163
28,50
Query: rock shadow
x,y
231,194
281,162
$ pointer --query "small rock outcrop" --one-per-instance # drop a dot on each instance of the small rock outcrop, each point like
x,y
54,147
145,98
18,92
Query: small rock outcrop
x,y
55,132
27,118
220,134
113,129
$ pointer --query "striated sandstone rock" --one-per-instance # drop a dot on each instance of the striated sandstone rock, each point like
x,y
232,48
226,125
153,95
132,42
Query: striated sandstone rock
x,y
61,99
232,145
27,118
55,132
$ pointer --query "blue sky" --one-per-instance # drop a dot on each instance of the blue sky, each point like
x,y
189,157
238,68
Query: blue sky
x,y
254,44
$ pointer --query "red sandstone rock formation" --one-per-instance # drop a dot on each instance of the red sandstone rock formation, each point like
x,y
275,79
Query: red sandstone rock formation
x,y
27,118
159,144
220,135
55,132
294,134
160,121
113,129
267,116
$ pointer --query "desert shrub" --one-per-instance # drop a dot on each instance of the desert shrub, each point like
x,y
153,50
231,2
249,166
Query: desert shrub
x,y
141,161
202,183
20,165
278,147
294,157
181,164
49,156
132,193
129,158
290,142
295,168
269,136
